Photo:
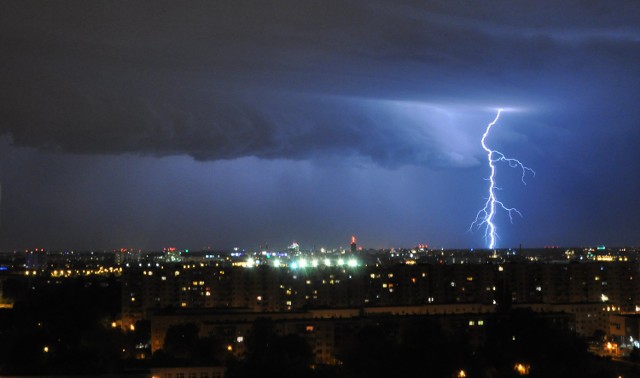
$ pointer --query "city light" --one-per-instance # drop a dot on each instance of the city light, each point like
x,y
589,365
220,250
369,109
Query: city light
x,y
522,369
303,263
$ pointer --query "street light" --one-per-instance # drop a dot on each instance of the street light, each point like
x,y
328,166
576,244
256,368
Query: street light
x,y
522,369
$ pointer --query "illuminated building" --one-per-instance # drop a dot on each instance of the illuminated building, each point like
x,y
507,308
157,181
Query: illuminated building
x,y
329,330
590,291
625,330
294,248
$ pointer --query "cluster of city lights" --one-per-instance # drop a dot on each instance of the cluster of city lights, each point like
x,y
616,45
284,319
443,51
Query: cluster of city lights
x,y
101,271
301,263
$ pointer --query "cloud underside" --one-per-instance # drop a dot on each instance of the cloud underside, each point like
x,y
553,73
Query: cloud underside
x,y
223,80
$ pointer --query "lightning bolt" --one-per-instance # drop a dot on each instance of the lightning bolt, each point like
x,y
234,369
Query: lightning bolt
x,y
487,213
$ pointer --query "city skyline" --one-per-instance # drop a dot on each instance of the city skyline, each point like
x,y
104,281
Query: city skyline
x,y
150,125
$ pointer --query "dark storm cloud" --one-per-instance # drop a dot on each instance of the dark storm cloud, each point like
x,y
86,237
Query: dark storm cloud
x,y
291,79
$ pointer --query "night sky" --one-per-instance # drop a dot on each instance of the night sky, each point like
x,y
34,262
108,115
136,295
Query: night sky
x,y
217,124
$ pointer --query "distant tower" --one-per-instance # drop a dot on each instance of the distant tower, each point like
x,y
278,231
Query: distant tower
x,y
354,246
294,247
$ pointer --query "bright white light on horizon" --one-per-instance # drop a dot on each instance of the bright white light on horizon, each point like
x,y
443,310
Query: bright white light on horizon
x,y
303,263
